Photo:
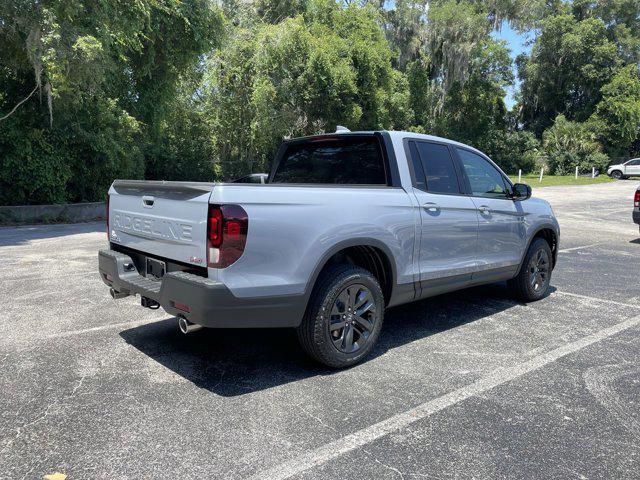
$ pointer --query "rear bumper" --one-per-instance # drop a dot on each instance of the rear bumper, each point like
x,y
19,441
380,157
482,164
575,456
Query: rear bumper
x,y
636,216
210,303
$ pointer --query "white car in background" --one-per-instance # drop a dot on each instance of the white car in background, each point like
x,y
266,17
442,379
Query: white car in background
x,y
630,168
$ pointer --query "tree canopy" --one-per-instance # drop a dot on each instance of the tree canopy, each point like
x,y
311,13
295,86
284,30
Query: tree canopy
x,y
96,90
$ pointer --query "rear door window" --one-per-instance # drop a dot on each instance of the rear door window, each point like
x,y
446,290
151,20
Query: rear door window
x,y
439,170
347,160
420,180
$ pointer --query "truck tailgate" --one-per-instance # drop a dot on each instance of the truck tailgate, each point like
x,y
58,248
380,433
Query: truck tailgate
x,y
163,219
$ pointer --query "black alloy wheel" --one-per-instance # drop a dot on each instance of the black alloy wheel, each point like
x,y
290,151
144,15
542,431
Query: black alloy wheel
x,y
344,316
353,318
539,266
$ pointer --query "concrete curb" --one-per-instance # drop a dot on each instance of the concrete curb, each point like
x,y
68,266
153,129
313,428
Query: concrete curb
x,y
63,213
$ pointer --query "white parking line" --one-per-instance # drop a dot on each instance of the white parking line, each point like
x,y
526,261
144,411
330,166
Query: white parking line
x,y
564,250
595,299
329,451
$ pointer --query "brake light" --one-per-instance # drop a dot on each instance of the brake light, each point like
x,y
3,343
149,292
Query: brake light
x,y
636,200
226,234
215,226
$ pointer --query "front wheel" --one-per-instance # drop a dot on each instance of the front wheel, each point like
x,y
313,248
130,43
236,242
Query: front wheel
x,y
533,279
617,174
344,316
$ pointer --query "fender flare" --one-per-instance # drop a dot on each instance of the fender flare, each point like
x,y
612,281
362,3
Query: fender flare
x,y
545,226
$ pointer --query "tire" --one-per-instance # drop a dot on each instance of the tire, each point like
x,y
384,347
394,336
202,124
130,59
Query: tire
x,y
617,174
533,279
324,331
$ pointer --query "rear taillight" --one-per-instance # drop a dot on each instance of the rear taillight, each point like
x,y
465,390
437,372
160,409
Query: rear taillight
x,y
227,227
107,205
636,200
214,228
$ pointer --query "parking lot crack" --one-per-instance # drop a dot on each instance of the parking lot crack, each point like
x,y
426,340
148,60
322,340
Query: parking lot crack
x,y
316,418
22,428
388,467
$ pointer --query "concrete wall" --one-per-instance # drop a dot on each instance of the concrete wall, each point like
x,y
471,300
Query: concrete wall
x,y
71,213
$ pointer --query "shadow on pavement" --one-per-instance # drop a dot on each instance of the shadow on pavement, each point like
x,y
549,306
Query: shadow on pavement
x,y
234,362
12,236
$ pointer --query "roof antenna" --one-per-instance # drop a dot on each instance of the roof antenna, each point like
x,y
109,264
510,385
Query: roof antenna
x,y
341,129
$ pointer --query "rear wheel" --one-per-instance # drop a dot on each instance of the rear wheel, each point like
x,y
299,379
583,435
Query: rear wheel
x,y
344,316
533,279
617,174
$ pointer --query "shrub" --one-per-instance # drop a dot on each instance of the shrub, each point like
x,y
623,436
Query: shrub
x,y
33,169
571,144
512,150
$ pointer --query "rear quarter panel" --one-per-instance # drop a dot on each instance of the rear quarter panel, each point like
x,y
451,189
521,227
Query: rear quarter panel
x,y
292,229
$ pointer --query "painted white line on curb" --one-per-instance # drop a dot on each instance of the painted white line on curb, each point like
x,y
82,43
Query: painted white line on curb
x,y
329,451
595,299
564,250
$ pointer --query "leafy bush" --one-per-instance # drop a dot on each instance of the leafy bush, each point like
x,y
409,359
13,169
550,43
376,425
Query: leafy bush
x,y
512,150
572,144
34,170
75,160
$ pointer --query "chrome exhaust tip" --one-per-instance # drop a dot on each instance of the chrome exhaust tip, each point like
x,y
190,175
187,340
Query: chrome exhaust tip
x,y
186,326
117,295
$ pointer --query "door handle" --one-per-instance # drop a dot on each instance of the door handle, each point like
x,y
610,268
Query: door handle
x,y
147,201
483,209
431,207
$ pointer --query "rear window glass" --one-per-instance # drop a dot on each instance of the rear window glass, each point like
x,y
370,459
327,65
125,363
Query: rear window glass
x,y
351,161
438,167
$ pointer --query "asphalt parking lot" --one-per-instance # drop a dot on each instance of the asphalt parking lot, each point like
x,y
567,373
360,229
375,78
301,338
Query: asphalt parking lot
x,y
466,385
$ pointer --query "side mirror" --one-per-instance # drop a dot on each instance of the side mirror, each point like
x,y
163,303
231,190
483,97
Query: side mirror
x,y
520,191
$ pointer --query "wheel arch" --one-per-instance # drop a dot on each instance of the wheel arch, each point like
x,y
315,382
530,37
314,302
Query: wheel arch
x,y
550,235
368,253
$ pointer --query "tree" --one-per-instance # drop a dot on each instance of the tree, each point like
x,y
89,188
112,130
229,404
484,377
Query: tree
x,y
301,76
570,62
405,29
474,108
275,11
202,89
617,117
105,77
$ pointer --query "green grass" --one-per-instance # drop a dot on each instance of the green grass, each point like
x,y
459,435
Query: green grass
x,y
556,180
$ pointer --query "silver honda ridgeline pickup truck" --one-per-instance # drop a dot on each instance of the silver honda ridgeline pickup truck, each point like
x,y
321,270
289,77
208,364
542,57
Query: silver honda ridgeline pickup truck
x,y
346,225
